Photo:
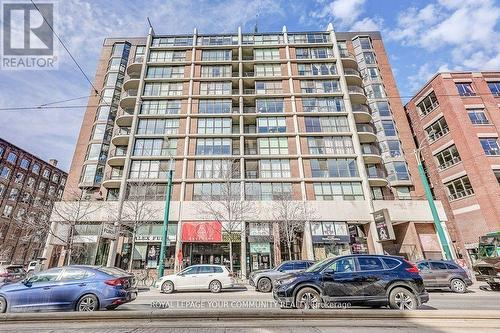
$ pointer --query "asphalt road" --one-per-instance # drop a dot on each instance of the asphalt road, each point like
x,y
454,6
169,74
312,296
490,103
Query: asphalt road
x,y
247,297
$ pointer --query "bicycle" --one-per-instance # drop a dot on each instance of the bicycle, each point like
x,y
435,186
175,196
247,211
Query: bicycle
x,y
145,277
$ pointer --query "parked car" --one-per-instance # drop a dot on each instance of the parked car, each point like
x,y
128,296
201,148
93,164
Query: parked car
x,y
444,274
263,279
198,277
373,280
79,288
11,273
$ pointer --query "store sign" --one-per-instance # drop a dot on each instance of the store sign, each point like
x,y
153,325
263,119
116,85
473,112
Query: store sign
x,y
260,239
331,239
235,237
108,231
383,224
202,232
263,248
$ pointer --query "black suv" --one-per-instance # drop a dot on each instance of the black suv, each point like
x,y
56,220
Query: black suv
x,y
373,280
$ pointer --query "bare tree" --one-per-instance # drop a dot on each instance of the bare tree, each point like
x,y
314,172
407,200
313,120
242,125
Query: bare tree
x,y
290,216
227,207
69,213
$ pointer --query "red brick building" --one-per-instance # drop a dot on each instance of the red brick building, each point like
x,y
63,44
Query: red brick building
x,y
456,119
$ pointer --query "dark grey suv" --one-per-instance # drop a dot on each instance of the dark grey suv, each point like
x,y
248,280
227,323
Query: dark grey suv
x,y
444,274
263,279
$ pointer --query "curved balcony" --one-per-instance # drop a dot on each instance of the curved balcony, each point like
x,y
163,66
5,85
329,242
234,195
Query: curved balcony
x,y
116,156
124,117
357,94
128,98
362,113
348,59
371,153
366,133
135,65
353,76
121,136
376,177
112,180
132,82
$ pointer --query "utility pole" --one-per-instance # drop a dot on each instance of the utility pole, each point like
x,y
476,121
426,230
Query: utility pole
x,y
164,229
432,205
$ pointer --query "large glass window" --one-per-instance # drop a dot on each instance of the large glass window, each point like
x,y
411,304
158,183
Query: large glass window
x,y
459,188
328,104
375,91
267,191
319,86
447,157
266,54
269,105
213,146
494,88
477,116
314,53
215,106
338,190
268,87
216,71
334,167
161,107
4,173
158,126
163,89
369,58
428,104
490,146
271,124
149,169
273,146
397,171
155,147
172,41
167,56
330,145
216,191
326,124
465,89
214,125
274,168
389,128
215,88
165,72
317,69
437,129
12,158
267,70
216,55
209,169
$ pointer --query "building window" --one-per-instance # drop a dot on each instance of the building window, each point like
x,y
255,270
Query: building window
x,y
25,164
477,117
165,72
337,145
271,124
42,186
12,158
274,168
403,193
365,43
163,89
317,69
216,71
334,167
319,86
266,54
377,193
437,129
329,104
36,168
161,107
19,178
31,182
149,169
7,211
340,190
267,70
14,194
459,188
214,126
2,189
209,169
465,89
88,173
215,88
155,147
494,88
214,106
5,173
167,56
496,172
391,146
447,157
273,146
389,128
216,146
140,51
490,146
216,55
428,104
2,150
314,53
172,41
267,191
375,91
46,173
55,178
397,171
216,191
369,58
99,132
268,87
382,108
370,74
158,126
269,105
218,40
326,124
308,38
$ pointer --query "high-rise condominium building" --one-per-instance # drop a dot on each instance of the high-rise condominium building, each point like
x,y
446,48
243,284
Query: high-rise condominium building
x,y
313,117
456,120
29,187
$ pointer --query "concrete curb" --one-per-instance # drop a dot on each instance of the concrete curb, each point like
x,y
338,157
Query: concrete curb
x,y
251,314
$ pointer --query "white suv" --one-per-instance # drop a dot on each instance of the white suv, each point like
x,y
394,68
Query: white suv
x,y
198,277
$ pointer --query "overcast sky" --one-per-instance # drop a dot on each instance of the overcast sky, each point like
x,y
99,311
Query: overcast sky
x,y
422,37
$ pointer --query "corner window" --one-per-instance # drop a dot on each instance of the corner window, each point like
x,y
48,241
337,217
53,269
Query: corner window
x,y
494,88
428,104
465,89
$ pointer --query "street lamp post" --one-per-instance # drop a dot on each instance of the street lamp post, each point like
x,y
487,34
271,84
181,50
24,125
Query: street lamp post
x,y
432,205
164,229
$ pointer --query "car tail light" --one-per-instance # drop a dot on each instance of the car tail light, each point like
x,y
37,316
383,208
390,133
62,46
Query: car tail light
x,y
413,268
115,282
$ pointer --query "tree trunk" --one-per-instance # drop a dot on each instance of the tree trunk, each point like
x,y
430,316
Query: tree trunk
x,y
70,244
289,251
230,254
132,248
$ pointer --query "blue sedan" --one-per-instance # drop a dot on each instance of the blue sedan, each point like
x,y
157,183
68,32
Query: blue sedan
x,y
79,288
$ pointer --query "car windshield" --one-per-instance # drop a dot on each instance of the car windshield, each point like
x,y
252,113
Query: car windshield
x,y
113,271
317,266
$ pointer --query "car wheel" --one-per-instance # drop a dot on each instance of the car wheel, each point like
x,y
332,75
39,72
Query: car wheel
x,y
264,285
458,286
307,298
167,287
215,286
3,304
402,299
88,303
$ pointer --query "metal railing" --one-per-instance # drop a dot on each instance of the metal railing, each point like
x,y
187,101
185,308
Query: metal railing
x,y
365,128
355,90
375,173
361,108
121,131
450,163
351,71
118,152
129,93
437,135
249,109
346,54
461,194
370,149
